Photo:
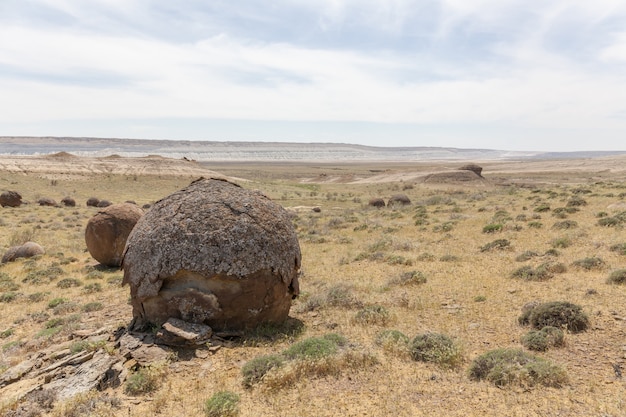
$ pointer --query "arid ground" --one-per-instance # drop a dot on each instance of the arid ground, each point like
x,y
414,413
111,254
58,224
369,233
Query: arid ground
x,y
449,262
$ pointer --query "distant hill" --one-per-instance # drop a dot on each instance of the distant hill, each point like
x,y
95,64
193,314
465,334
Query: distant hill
x,y
263,151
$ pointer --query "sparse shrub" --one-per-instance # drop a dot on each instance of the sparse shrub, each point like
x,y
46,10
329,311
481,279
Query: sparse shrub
x,y
542,340
93,287
373,314
480,298
69,283
498,244
37,297
514,366
589,264
542,208
528,273
6,333
144,381
492,228
436,348
449,258
222,404
617,277
526,255
271,332
425,257
609,222
620,248
8,297
393,341
576,202
56,301
47,333
564,225
93,306
254,370
562,243
340,295
94,275
535,225
556,314
409,278
553,267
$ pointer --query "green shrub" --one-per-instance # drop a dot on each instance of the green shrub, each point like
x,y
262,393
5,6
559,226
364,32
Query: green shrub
x,y
8,297
493,228
92,288
222,404
528,273
514,366
69,283
526,255
436,348
373,314
576,202
6,333
315,347
542,208
619,248
542,340
609,222
535,225
254,370
617,277
498,244
565,224
93,306
560,314
562,243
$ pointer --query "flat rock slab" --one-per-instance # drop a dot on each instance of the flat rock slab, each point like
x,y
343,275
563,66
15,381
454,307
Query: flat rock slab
x,y
178,332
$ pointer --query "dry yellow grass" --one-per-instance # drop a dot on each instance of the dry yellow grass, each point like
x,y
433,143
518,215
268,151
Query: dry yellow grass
x,y
469,295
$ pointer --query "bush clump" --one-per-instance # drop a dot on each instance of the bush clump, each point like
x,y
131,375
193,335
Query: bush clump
x,y
620,248
542,340
409,278
526,256
528,273
617,277
392,340
315,347
144,381
560,314
254,370
565,224
516,367
436,348
373,314
222,404
493,228
498,244
589,264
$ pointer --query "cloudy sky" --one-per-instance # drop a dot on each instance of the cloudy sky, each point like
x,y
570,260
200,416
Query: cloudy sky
x,y
498,74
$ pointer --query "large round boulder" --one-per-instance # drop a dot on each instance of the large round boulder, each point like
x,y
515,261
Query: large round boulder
x,y
10,199
213,253
27,250
107,231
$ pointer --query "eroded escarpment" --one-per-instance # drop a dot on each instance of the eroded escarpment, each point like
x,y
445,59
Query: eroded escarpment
x,y
213,253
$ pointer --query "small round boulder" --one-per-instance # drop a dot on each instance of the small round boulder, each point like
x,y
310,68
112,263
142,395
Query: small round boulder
x,y
10,199
93,202
213,253
107,231
68,202
27,250
376,202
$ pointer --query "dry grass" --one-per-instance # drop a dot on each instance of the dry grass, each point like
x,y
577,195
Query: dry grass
x,y
354,257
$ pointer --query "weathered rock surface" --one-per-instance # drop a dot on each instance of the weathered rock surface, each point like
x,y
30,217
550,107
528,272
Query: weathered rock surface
x,y
376,202
476,169
452,177
27,250
176,332
10,199
107,231
213,253
47,201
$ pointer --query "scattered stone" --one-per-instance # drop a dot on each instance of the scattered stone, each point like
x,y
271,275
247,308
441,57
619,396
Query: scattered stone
x,y
213,253
176,332
10,199
48,202
93,202
107,231
104,203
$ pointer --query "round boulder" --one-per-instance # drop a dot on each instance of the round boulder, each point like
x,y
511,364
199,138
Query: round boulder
x,y
107,231
213,253
104,203
376,202
476,169
93,202
10,199
27,250
68,202
46,201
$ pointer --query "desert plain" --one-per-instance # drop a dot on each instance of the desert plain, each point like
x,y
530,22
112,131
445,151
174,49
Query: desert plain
x,y
447,263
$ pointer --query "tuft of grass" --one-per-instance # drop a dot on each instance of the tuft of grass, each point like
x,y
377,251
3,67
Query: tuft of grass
x,y
565,224
9,297
526,256
620,248
561,243
69,283
56,302
542,340
409,278
254,370
271,332
372,314
516,367
393,341
93,306
528,273
560,314
617,277
222,404
315,347
437,348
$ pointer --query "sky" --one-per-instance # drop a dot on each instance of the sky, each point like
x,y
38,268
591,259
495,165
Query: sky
x,y
541,75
